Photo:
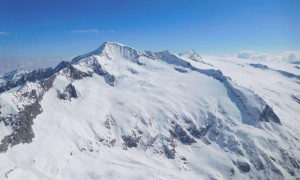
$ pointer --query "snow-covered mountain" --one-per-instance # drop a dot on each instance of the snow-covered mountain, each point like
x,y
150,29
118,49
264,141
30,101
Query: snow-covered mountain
x,y
121,113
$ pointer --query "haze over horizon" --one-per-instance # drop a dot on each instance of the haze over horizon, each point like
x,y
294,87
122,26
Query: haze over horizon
x,y
33,30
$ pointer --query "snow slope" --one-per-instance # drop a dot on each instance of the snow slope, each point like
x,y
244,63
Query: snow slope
x,y
121,113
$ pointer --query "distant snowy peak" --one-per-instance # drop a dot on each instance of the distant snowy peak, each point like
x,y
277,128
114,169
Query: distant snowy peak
x,y
14,75
19,73
191,54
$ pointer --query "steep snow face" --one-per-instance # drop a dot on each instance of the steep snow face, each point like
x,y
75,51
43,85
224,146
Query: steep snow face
x,y
150,115
111,50
13,76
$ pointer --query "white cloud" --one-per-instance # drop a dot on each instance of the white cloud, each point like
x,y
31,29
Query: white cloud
x,y
85,31
293,56
3,33
286,56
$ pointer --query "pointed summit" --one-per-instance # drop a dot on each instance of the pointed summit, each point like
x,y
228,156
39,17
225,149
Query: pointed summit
x,y
110,50
116,49
191,54
14,75
108,46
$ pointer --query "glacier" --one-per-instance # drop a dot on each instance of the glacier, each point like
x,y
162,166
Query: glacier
x,y
122,113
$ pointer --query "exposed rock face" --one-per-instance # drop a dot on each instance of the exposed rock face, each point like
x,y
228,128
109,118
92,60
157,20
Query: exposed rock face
x,y
94,68
296,98
110,122
269,115
131,140
283,73
179,133
260,66
33,76
180,70
243,166
61,66
169,152
68,93
76,74
22,121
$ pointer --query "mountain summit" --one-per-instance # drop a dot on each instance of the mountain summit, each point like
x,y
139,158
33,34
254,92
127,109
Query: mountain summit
x,y
111,49
150,115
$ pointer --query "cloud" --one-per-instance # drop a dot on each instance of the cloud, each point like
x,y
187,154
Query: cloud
x,y
85,31
3,33
293,57
286,56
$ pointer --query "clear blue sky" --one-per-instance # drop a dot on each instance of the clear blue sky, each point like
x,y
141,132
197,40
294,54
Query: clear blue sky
x,y
41,29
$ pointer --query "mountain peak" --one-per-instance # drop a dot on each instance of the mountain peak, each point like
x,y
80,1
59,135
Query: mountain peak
x,y
191,54
14,75
115,48
110,43
110,49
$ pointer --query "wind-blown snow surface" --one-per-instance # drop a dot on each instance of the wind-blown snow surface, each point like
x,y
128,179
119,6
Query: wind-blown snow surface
x,y
120,113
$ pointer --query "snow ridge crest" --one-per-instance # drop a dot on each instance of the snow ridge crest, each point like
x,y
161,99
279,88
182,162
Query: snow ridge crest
x,y
111,49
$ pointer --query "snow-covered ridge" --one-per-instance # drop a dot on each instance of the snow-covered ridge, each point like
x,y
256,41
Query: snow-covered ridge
x,y
160,114
191,54
109,49
116,50
13,75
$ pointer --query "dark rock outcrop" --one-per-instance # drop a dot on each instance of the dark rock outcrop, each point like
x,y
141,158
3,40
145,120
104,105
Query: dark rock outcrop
x,y
179,133
296,98
169,152
131,140
33,76
22,123
109,122
268,115
76,74
68,93
259,66
62,65
180,70
243,166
